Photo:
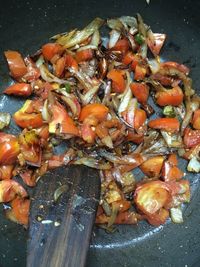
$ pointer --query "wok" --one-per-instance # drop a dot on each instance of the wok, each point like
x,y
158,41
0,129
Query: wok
x,y
25,26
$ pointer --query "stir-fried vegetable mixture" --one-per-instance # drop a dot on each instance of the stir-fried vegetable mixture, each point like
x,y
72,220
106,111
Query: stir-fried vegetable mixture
x,y
92,92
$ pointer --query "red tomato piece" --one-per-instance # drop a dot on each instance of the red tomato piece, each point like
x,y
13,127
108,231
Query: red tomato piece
x,y
191,137
140,91
16,64
173,97
50,50
19,89
118,80
166,124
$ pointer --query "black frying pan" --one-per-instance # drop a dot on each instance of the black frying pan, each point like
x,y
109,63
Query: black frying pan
x,y
26,25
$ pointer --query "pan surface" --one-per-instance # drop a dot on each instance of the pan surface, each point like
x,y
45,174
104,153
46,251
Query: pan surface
x,y
25,25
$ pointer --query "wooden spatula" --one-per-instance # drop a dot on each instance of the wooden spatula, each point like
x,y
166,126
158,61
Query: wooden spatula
x,y
60,231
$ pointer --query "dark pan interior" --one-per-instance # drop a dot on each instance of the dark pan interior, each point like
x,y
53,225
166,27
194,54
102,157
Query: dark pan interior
x,y
25,26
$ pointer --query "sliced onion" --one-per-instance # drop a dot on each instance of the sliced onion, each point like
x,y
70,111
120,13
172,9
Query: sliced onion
x,y
89,95
129,21
73,38
59,191
87,47
93,163
49,77
172,139
154,65
191,106
4,119
194,165
176,215
126,96
114,37
83,78
39,62
95,39
115,24
45,111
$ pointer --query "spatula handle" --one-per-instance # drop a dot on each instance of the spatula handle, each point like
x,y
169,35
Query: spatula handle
x,y
54,245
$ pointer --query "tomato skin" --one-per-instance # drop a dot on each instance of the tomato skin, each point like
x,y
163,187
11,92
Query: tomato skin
x,y
196,120
173,97
97,110
175,65
19,89
191,137
158,218
118,81
139,119
87,133
151,197
132,59
60,117
84,55
167,124
16,64
152,167
59,66
70,62
155,47
33,72
9,150
121,45
26,120
49,50
19,212
135,138
140,72
140,91
6,172
170,170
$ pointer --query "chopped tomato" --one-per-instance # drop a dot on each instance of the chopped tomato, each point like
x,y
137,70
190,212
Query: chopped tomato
x,y
166,124
139,119
140,91
9,150
121,45
152,167
28,177
19,212
135,138
173,97
84,55
140,72
16,64
19,89
33,72
175,65
59,66
151,197
61,122
118,80
196,120
191,137
50,50
96,110
158,218
9,189
28,120
87,133
30,148
170,170
132,59
6,172
155,47
70,62
127,217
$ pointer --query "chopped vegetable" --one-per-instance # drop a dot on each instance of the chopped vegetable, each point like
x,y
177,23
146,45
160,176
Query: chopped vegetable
x,y
97,94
